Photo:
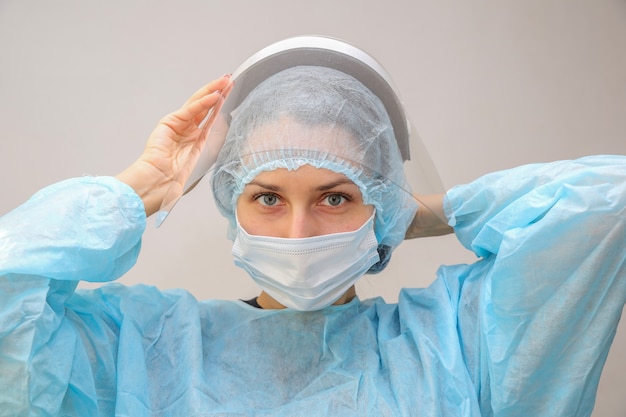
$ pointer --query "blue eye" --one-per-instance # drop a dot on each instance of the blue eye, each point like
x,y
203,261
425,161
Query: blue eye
x,y
335,199
268,199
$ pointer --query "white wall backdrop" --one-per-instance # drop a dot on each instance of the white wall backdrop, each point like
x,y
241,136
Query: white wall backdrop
x,y
488,85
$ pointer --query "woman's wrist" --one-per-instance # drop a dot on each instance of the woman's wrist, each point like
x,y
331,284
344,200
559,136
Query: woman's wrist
x,y
149,187
430,219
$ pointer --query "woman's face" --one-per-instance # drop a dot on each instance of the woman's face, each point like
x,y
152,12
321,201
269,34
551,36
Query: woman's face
x,y
305,202
301,203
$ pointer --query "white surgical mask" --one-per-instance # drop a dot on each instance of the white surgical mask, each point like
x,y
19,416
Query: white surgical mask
x,y
307,273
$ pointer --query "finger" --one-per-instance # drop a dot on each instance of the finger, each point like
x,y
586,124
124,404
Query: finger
x,y
224,93
191,114
209,123
183,121
199,108
207,89
228,88
215,85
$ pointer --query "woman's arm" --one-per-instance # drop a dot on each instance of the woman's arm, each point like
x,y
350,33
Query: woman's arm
x,y
430,219
537,314
54,354
85,228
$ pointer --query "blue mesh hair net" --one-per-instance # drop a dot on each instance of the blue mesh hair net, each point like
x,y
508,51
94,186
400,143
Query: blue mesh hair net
x,y
358,141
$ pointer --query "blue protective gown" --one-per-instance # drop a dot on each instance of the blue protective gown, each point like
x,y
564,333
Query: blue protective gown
x,y
524,331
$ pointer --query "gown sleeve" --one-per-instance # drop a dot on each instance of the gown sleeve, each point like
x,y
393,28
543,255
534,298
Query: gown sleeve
x,y
80,229
538,311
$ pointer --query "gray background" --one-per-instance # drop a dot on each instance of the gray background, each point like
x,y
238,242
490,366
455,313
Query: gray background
x,y
488,85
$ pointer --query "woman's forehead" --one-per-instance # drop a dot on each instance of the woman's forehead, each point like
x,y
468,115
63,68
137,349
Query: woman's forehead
x,y
286,134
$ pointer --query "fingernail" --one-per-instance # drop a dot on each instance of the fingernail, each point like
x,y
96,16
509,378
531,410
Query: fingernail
x,y
227,75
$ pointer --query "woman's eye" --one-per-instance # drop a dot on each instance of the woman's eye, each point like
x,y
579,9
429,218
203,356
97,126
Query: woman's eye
x,y
268,199
335,200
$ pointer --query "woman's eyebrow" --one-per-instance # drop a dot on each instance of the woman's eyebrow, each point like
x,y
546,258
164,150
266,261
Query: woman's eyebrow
x,y
334,184
325,187
270,187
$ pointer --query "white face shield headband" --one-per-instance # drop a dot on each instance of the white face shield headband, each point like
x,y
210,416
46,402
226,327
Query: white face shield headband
x,y
311,273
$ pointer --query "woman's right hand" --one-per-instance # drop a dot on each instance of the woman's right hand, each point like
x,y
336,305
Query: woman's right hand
x,y
173,147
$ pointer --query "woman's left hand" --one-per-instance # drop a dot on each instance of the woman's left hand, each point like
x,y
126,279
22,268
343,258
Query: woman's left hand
x,y
430,219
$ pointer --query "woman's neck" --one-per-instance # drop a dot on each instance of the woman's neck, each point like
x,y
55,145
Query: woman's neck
x,y
267,302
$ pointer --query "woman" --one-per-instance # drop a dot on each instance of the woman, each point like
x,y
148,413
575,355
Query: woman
x,y
311,181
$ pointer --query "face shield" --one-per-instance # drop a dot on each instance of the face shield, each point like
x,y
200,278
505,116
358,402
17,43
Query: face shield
x,y
321,102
